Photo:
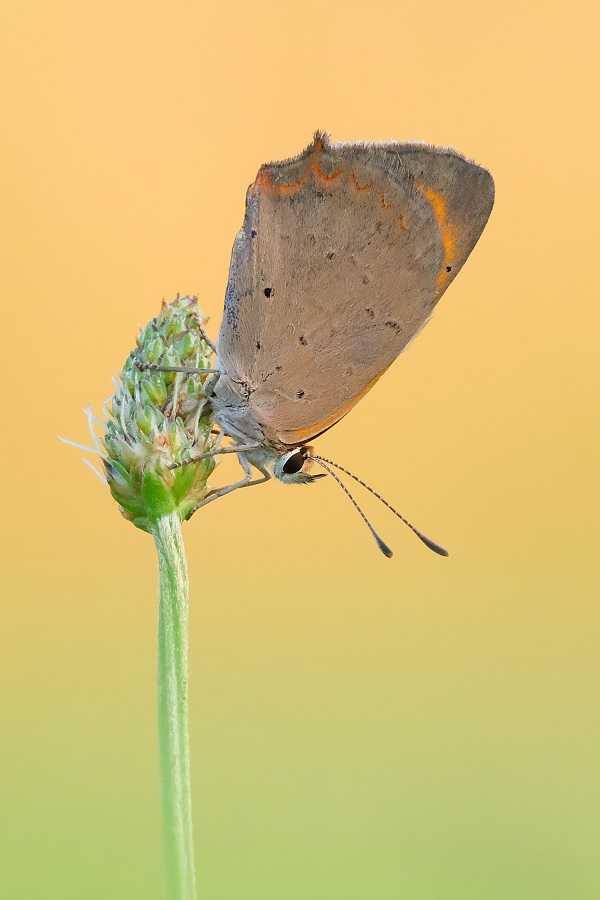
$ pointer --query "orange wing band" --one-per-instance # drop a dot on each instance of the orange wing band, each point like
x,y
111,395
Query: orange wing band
x,y
447,229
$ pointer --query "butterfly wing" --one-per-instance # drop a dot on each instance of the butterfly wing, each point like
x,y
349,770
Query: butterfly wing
x,y
460,193
343,254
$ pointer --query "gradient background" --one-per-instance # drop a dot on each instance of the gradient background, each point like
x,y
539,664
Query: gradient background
x,y
361,728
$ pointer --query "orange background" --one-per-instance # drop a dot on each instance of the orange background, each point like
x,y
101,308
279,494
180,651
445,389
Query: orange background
x,y
421,727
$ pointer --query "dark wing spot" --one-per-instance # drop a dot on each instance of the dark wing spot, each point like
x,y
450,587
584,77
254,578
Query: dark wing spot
x,y
303,340
448,268
267,292
370,313
253,233
397,328
258,345
299,394
268,375
330,255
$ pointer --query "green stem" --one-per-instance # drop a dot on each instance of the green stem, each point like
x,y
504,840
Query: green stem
x,y
174,752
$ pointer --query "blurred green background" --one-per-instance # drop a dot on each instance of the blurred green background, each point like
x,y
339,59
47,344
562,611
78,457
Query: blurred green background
x,y
420,727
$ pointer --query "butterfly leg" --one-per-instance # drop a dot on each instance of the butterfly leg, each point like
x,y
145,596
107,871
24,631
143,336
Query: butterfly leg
x,y
246,481
187,370
239,448
204,334
209,385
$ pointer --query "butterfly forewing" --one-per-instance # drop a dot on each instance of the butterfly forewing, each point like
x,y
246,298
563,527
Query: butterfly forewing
x,y
343,254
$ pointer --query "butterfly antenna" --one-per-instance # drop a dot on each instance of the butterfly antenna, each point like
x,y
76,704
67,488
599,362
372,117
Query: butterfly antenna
x,y
381,544
427,541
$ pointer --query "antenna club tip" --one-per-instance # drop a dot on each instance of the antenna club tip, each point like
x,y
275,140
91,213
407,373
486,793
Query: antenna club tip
x,y
384,548
439,550
431,544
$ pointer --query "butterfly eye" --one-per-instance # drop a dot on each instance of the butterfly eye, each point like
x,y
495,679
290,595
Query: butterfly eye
x,y
294,463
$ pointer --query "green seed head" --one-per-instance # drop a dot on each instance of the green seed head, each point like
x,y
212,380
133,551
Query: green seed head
x,y
156,419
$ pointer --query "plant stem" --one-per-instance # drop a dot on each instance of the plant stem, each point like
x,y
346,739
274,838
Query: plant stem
x,y
173,736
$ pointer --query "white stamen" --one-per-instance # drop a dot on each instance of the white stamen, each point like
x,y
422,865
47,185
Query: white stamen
x,y
175,398
105,411
80,446
95,471
122,419
201,405
90,417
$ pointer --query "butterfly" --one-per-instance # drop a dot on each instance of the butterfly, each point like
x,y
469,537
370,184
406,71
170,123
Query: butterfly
x,y
344,252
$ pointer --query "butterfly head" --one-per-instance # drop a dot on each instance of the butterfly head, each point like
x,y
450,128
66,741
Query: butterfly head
x,y
293,466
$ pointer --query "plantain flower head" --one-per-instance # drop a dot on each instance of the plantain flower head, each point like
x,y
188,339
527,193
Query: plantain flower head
x,y
155,420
